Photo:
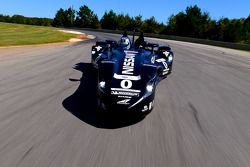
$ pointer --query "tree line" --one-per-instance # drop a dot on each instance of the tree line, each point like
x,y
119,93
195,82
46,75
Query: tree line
x,y
189,23
86,18
197,24
19,19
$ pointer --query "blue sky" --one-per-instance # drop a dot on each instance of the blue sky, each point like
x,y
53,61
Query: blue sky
x,y
161,9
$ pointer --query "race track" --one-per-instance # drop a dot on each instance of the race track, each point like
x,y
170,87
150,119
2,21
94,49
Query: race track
x,y
48,118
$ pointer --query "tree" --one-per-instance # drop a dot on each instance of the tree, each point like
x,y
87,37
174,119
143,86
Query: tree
x,y
64,17
223,33
151,26
247,30
137,23
211,30
18,19
60,18
194,21
125,22
236,30
191,23
70,14
4,18
177,25
109,20
86,18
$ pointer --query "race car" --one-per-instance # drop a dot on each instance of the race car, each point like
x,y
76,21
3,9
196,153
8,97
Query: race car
x,y
128,73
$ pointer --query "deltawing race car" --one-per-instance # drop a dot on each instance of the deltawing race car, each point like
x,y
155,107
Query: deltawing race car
x,y
128,73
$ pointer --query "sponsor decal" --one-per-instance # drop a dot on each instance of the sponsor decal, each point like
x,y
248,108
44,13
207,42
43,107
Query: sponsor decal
x,y
124,93
127,90
127,77
129,63
125,97
166,53
165,64
125,101
153,59
145,108
98,48
161,60
148,107
131,52
164,73
128,69
132,78
126,84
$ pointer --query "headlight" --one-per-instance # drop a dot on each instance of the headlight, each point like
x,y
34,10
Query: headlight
x,y
102,84
150,88
170,58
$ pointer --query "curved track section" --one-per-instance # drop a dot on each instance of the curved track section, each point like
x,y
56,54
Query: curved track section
x,y
48,116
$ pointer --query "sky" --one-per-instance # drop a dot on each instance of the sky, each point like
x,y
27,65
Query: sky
x,y
160,9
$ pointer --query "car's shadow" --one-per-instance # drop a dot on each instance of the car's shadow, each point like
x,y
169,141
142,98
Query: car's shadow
x,y
83,102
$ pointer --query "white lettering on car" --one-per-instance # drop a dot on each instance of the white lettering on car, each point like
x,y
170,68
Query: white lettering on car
x,y
166,53
98,48
125,97
145,108
153,59
126,77
125,101
127,72
135,94
148,107
126,84
165,64
128,64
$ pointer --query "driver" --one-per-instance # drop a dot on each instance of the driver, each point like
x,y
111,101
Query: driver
x,y
140,42
125,43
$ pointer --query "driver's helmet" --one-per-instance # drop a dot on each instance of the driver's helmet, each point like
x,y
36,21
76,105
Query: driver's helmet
x,y
125,43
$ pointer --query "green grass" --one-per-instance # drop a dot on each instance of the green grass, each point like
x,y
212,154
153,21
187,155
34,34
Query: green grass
x,y
19,34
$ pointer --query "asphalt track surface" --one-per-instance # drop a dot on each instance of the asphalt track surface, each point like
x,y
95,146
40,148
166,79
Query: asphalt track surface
x,y
48,118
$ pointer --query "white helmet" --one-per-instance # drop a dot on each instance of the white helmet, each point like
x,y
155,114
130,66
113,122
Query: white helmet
x,y
125,43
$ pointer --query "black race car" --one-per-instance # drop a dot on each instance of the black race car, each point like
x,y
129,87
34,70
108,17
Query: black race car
x,y
128,73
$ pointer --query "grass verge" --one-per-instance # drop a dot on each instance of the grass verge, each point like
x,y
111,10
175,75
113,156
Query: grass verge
x,y
19,34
